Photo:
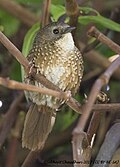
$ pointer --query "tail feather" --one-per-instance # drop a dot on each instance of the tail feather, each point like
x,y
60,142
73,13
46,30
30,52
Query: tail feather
x,y
38,124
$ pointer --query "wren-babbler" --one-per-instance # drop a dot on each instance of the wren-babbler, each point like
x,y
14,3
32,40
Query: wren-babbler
x,y
55,56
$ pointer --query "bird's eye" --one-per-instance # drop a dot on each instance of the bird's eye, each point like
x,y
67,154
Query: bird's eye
x,y
56,31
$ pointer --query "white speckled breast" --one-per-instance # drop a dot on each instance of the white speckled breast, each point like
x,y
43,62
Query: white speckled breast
x,y
62,65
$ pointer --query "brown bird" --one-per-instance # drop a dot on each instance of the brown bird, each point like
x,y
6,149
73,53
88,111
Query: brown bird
x,y
56,57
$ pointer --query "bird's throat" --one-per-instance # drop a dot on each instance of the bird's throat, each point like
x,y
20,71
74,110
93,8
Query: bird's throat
x,y
66,42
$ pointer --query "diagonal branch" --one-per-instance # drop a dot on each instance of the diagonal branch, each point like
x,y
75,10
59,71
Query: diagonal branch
x,y
102,38
14,51
22,86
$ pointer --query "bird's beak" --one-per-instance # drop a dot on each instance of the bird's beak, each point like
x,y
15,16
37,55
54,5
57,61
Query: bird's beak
x,y
69,29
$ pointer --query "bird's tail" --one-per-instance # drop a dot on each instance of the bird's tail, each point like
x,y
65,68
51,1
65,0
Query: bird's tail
x,y
38,124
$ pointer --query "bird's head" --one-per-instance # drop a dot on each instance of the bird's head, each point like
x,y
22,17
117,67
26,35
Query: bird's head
x,y
54,31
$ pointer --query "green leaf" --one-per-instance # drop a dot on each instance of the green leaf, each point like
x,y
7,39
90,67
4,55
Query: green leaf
x,y
100,20
87,10
56,2
57,11
1,28
29,38
15,72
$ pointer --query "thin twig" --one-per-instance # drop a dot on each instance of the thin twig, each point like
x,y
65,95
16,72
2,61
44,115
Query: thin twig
x,y
91,74
12,150
19,12
112,107
10,118
30,159
96,118
14,51
46,12
102,38
93,125
72,10
99,60
89,47
104,125
22,86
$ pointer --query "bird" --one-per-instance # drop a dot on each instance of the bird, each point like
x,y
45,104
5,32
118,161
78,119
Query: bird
x,y
55,56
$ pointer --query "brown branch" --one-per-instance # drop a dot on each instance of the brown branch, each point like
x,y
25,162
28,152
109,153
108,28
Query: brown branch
x,y
11,154
112,107
104,125
22,86
93,125
93,45
102,80
96,118
81,150
72,10
14,51
46,12
99,60
19,12
10,118
23,61
12,150
30,159
102,38
92,74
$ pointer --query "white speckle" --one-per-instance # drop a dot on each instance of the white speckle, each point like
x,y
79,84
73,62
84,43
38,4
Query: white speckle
x,y
57,72
46,54
45,58
50,52
1,103
54,51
